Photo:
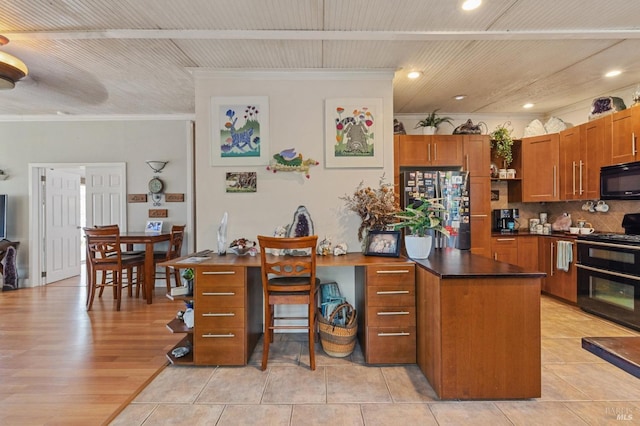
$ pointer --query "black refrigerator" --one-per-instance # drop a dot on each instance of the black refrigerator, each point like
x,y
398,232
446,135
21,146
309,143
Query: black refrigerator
x,y
451,188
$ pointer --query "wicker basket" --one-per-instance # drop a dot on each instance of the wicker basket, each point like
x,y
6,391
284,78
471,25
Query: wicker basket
x,y
338,340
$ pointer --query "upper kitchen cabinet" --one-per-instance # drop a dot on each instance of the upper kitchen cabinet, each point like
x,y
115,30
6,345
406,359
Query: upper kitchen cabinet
x,y
625,128
540,167
477,155
427,151
596,139
573,163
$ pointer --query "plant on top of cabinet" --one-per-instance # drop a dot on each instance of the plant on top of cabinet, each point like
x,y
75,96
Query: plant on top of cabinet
x,y
502,142
433,120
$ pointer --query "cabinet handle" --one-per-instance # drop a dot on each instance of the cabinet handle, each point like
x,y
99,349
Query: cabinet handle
x,y
555,179
505,239
223,314
393,292
393,313
467,161
219,273
634,151
495,255
429,152
573,169
435,152
219,294
399,271
402,333
479,215
580,174
210,335
551,266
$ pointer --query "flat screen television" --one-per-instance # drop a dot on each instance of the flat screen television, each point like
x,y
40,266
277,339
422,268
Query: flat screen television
x,y
3,216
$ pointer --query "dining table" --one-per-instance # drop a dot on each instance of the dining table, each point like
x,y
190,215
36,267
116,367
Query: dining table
x,y
149,239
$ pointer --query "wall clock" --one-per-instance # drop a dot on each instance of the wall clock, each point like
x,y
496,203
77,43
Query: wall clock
x,y
156,186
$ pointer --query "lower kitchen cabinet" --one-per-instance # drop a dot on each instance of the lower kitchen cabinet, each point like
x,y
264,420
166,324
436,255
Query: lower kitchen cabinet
x,y
558,283
505,249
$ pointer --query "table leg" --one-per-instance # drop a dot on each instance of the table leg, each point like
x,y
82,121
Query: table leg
x,y
149,281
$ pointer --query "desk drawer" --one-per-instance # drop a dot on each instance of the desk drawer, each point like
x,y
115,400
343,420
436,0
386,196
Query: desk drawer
x,y
400,316
219,296
391,345
220,318
213,276
386,275
391,295
220,346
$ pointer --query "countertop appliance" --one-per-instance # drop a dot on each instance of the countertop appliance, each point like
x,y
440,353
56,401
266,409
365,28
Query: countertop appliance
x,y
620,181
452,188
506,220
609,273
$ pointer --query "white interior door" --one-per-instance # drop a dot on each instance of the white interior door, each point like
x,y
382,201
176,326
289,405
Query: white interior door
x,y
106,195
62,236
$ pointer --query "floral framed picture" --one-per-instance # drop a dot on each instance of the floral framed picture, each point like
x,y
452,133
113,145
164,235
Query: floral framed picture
x,y
383,243
354,133
240,131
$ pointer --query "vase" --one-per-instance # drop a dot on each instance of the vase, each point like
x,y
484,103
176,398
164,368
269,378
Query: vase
x,y
429,130
418,247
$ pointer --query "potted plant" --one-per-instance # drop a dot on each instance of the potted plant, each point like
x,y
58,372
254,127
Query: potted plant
x,y
431,122
418,219
187,279
501,143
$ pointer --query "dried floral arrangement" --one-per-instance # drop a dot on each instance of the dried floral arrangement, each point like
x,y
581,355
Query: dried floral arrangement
x,y
376,207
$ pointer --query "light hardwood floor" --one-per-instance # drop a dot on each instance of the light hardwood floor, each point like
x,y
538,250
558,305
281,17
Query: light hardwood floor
x,y
62,365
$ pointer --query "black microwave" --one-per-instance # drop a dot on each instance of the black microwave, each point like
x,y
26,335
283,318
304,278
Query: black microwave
x,y
620,182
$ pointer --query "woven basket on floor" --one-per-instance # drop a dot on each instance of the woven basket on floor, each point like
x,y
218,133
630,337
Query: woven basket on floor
x,y
338,340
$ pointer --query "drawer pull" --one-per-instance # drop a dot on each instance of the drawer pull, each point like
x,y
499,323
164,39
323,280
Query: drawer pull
x,y
393,313
393,292
223,314
218,335
402,333
399,271
219,273
231,293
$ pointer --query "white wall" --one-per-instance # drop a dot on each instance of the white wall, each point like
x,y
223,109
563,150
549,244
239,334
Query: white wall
x,y
132,142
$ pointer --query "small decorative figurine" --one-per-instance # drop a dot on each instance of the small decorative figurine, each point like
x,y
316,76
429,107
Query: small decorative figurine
x,y
340,249
222,235
324,247
288,161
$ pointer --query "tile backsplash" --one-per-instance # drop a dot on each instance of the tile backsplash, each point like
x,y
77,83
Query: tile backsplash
x,y
603,222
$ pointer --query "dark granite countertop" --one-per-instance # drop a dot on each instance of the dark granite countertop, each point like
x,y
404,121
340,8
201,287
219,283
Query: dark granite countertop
x,y
454,263
526,233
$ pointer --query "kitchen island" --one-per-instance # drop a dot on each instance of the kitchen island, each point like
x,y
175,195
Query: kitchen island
x,y
478,326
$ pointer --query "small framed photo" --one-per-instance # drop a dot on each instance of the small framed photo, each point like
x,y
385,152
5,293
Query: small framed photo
x,y
383,243
153,226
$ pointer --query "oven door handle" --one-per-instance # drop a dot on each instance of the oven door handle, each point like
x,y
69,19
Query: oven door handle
x,y
604,271
613,245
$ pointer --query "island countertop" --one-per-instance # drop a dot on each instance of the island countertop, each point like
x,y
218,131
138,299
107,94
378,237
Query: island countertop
x,y
452,263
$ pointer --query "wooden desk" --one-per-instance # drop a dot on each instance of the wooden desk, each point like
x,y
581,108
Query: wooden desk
x,y
149,240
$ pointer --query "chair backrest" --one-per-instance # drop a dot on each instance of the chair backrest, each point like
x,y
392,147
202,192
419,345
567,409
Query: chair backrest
x,y
299,264
103,245
175,244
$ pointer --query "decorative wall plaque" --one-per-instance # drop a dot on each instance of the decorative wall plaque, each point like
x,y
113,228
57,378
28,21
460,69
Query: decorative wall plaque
x,y
174,198
158,213
137,198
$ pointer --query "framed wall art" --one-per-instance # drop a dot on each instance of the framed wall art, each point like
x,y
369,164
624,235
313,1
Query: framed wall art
x,y
241,182
383,243
240,131
353,133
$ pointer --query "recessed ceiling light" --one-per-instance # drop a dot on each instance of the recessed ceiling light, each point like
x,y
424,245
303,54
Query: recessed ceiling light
x,y
414,74
459,97
613,73
471,4
527,105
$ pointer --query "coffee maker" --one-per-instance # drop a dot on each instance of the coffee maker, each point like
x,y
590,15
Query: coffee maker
x,y
505,220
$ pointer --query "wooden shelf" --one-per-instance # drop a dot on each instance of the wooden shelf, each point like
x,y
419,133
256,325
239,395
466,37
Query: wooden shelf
x,y
184,360
178,326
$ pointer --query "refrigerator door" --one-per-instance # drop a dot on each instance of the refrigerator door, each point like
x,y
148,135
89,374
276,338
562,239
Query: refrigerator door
x,y
453,189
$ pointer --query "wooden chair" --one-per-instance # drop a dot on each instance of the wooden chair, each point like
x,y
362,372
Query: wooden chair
x,y
104,254
174,251
289,280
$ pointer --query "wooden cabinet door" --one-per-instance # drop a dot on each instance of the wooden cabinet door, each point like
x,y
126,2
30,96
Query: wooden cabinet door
x,y
477,155
528,252
446,150
572,164
597,147
505,249
540,168
479,191
414,150
623,136
545,253
559,283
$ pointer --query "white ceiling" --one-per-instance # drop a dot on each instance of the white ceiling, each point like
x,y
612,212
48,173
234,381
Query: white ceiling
x,y
95,57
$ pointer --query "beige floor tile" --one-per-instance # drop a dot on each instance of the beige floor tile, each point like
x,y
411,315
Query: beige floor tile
x,y
599,381
468,413
408,384
397,414
356,384
607,413
234,385
176,384
566,349
539,413
280,353
134,415
295,385
185,414
327,415
555,388
253,415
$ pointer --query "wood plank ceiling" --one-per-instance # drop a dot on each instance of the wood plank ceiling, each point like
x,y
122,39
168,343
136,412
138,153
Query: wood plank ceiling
x,y
94,57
